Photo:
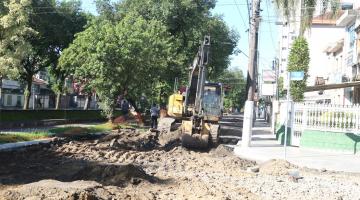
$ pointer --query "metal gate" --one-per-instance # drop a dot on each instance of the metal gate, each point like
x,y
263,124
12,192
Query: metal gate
x,y
298,120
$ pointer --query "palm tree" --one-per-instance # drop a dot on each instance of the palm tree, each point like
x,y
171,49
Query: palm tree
x,y
288,9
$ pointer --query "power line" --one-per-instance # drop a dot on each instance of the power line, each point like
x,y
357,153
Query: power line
x,y
271,35
238,9
248,9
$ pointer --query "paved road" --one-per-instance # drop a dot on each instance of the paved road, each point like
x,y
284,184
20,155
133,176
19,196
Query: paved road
x,y
231,126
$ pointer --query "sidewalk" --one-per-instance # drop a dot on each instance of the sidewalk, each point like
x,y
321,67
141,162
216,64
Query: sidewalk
x,y
264,146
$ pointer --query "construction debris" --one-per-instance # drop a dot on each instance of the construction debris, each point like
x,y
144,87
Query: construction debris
x,y
139,164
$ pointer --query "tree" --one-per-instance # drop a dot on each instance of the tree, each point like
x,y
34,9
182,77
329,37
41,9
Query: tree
x,y
280,88
68,21
288,9
119,58
299,61
14,34
42,29
187,21
235,88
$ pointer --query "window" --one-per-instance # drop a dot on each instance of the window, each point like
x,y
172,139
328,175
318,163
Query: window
x,y
18,101
284,48
9,100
284,36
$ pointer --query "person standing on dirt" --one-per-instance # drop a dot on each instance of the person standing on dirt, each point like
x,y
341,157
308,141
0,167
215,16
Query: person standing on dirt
x,y
125,107
154,112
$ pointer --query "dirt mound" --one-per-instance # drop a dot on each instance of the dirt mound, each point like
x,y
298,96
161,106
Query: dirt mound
x,y
77,133
130,117
130,139
222,151
52,189
118,175
276,167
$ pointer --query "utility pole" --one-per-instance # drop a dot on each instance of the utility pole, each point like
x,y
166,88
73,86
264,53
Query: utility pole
x,y
252,68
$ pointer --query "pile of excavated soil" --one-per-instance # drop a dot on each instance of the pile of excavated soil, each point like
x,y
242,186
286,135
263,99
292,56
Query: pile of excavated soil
x,y
129,139
133,164
52,189
118,175
276,167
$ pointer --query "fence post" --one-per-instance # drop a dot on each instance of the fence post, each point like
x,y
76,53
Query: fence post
x,y
304,118
292,120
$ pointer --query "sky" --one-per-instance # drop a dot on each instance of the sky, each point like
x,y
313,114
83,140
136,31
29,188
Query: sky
x,y
235,14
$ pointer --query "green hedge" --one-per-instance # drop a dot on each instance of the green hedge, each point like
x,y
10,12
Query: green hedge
x,y
36,115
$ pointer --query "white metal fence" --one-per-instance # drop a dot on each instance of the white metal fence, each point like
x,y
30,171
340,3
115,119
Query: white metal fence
x,y
326,117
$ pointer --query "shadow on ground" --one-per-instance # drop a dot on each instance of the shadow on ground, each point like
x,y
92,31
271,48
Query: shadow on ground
x,y
40,162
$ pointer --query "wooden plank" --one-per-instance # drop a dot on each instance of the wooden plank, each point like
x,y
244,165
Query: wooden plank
x,y
331,86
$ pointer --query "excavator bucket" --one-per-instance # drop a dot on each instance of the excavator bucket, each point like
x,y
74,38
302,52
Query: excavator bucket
x,y
207,137
195,141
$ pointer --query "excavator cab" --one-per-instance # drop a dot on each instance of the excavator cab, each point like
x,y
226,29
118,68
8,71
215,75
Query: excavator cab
x,y
212,102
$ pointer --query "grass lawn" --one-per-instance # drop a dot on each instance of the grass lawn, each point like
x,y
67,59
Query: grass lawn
x,y
21,137
67,131
35,115
131,125
70,130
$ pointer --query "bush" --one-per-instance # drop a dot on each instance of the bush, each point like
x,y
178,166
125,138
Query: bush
x,y
36,115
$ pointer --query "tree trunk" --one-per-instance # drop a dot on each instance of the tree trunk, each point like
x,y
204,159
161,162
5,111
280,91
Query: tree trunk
x,y
1,99
27,93
87,102
58,97
133,104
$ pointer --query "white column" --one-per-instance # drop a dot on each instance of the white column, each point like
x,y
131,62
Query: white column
x,y
248,124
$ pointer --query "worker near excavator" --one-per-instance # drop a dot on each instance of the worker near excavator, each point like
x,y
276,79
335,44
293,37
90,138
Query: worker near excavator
x,y
154,112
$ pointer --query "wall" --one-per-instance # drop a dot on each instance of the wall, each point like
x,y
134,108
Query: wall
x,y
13,98
322,65
347,142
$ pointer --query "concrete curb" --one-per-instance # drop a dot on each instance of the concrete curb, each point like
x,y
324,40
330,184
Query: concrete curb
x,y
16,145
259,159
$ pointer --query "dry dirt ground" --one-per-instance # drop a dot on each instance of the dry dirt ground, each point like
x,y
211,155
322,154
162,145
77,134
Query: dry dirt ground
x,y
133,164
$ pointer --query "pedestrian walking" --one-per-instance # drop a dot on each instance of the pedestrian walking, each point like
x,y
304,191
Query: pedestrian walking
x,y
154,112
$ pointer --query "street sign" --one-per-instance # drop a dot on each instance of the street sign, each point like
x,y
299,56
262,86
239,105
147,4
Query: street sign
x,y
267,89
297,76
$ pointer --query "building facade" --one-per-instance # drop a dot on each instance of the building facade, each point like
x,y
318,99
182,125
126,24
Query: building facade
x,y
333,44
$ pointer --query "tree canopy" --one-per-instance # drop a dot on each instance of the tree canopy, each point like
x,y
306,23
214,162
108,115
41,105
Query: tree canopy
x,y
299,60
288,8
235,88
33,33
119,59
137,48
133,48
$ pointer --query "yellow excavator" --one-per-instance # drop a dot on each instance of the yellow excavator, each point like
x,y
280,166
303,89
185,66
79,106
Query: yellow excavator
x,y
199,108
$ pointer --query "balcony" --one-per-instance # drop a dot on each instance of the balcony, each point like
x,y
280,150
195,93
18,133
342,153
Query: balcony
x,y
346,18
